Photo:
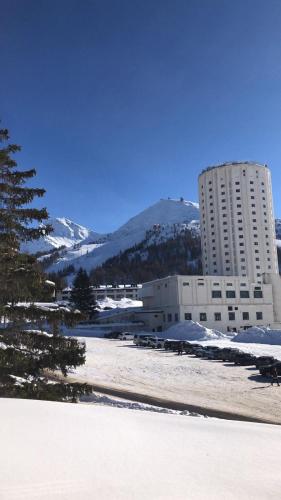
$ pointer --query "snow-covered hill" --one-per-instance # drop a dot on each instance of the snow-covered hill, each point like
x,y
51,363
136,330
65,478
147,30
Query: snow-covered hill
x,y
65,233
161,218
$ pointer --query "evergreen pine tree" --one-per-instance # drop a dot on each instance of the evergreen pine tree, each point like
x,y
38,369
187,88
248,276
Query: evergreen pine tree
x,y
81,295
26,354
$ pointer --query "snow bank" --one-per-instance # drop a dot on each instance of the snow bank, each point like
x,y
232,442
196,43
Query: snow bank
x,y
113,453
120,304
259,335
190,330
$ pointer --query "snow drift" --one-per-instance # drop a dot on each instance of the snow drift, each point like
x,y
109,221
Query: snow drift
x,y
190,330
259,335
108,453
123,303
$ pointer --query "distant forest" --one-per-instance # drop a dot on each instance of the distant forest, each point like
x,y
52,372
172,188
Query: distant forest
x,y
141,263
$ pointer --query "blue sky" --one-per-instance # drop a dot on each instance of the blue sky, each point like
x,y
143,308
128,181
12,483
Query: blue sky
x,y
119,103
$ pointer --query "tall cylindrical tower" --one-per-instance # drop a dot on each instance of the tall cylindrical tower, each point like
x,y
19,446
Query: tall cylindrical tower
x,y
237,221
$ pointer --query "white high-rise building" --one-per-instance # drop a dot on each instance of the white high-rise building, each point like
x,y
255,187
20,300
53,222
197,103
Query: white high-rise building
x,y
237,221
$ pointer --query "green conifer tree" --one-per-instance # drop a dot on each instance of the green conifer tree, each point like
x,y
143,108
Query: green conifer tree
x,y
81,295
25,354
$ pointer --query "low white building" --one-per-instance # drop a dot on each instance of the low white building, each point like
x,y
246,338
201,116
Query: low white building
x,y
225,303
103,291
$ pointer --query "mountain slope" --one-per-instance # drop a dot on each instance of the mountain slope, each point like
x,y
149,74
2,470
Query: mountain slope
x,y
160,254
65,233
163,214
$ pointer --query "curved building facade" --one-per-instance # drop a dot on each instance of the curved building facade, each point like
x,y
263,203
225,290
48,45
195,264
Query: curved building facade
x,y
237,221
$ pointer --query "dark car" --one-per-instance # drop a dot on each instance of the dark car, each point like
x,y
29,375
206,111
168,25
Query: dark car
x,y
266,370
171,344
189,348
265,361
244,359
211,352
227,353
199,351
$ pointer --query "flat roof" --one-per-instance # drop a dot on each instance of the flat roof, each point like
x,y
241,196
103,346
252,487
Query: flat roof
x,y
231,163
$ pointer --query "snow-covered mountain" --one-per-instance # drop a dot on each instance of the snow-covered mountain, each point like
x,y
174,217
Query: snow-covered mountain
x,y
166,219
160,217
65,233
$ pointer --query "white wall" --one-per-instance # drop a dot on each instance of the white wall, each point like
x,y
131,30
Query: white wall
x,y
178,295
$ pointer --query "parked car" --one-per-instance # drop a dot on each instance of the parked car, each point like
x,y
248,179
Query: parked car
x,y
171,344
245,359
228,354
142,340
126,336
265,361
211,352
156,343
189,348
199,351
265,370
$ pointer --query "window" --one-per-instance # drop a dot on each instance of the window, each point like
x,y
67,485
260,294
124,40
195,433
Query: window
x,y
188,316
231,316
216,294
169,317
259,315
245,316
176,317
185,283
244,294
230,294
203,317
258,294
217,316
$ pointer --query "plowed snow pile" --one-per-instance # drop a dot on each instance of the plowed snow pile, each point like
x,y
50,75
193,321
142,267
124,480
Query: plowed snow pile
x,y
259,335
189,330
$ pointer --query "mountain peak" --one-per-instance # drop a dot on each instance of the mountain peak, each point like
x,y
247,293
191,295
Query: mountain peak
x,y
65,233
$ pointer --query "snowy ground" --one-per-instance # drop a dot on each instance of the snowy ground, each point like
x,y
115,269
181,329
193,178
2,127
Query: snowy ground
x,y
58,451
184,379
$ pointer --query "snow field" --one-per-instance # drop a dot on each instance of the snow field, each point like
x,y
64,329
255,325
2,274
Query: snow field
x,y
59,451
